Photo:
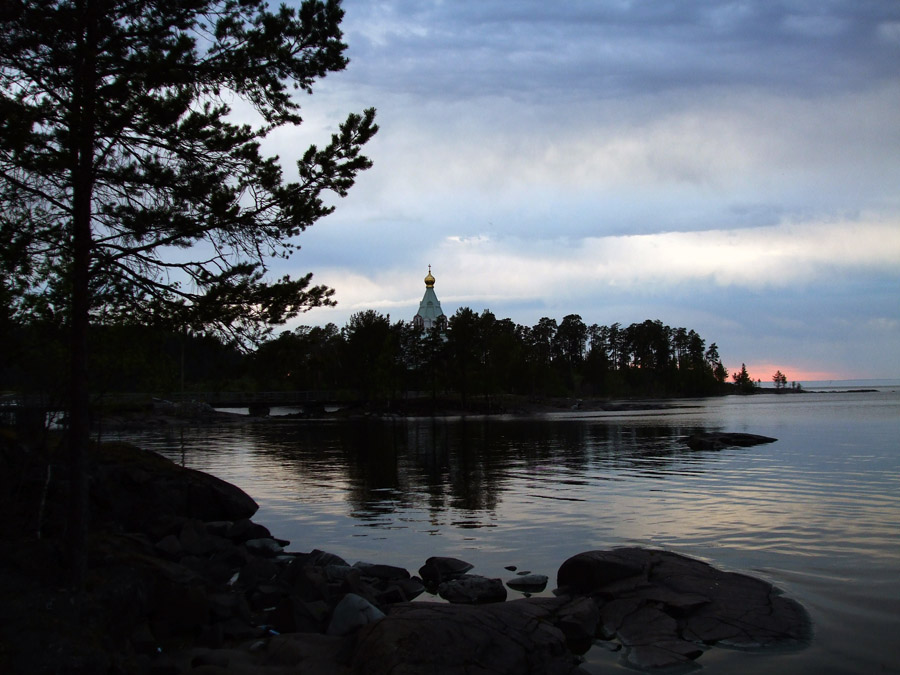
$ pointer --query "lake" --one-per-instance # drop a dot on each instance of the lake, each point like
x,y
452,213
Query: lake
x,y
817,513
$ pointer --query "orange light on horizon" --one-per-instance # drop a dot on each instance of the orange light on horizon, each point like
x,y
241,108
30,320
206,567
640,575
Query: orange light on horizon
x,y
765,371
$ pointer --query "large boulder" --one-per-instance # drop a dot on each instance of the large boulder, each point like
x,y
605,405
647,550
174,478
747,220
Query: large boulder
x,y
131,489
666,609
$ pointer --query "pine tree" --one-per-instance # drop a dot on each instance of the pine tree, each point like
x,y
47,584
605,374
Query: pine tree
x,y
127,188
743,380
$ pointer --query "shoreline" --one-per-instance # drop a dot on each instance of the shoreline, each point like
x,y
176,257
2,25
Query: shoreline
x,y
191,412
181,577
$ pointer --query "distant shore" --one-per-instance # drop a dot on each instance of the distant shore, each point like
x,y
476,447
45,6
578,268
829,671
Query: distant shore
x,y
175,414
192,412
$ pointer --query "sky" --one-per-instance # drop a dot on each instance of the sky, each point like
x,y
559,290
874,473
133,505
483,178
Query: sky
x,y
728,167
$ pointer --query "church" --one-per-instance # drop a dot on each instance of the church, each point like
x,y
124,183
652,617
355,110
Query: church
x,y
430,313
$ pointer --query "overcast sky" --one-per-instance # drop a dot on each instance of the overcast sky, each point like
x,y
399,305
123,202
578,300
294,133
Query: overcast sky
x,y
730,167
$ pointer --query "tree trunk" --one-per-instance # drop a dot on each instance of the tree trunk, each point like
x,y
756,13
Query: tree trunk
x,y
82,145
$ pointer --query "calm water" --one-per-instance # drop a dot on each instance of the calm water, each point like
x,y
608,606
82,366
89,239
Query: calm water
x,y
817,513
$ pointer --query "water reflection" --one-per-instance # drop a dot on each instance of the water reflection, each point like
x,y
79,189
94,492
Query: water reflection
x,y
386,467
817,513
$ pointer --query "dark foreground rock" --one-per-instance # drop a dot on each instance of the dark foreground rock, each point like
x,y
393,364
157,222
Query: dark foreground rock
x,y
666,609
718,440
520,636
181,581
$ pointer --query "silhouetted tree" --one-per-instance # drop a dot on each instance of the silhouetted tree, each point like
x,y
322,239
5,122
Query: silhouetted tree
x,y
743,381
463,350
125,186
370,354
780,379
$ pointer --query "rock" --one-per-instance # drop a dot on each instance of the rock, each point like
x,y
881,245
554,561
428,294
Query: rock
x,y
219,528
220,658
438,569
664,654
306,581
340,572
132,488
719,440
578,620
666,608
322,559
224,605
178,610
472,589
257,571
383,572
245,529
646,625
289,614
514,638
409,588
590,571
352,612
529,583
195,540
170,546
265,546
235,629
181,591
308,653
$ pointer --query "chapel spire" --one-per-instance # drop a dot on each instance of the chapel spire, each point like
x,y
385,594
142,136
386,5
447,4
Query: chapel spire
x,y
430,312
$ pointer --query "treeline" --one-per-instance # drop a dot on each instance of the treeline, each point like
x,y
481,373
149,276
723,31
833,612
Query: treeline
x,y
480,355
374,359
34,359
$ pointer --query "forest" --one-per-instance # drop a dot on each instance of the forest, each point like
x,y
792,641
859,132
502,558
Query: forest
x,y
375,359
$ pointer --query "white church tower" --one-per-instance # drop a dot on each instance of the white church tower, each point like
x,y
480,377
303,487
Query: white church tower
x,y
430,312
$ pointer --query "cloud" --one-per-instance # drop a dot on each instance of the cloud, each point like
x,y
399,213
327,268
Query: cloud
x,y
739,160
775,256
506,269
728,166
613,49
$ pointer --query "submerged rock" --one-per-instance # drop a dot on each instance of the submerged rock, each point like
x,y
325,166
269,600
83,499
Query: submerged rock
x,y
718,440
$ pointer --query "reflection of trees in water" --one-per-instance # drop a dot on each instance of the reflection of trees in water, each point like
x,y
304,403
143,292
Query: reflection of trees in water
x,y
463,465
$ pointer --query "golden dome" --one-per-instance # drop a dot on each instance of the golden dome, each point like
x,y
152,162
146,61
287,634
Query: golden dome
x,y
429,280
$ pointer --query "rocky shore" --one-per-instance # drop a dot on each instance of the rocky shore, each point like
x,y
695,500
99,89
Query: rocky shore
x,y
181,580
